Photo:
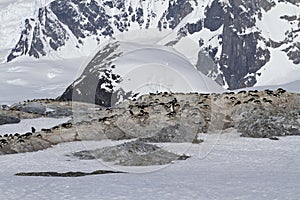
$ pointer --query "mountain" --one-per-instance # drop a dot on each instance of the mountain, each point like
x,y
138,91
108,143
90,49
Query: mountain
x,y
122,70
241,37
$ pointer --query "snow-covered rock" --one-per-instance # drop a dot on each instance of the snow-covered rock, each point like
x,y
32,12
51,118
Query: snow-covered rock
x,y
122,70
240,37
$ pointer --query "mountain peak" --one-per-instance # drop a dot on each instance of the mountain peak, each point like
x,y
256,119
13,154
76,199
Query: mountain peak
x,y
241,37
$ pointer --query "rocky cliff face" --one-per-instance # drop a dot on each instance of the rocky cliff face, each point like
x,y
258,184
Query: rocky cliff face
x,y
235,34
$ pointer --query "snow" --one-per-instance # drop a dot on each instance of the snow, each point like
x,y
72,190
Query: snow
x,y
25,125
28,78
291,87
225,166
12,16
143,36
236,168
270,23
279,70
144,66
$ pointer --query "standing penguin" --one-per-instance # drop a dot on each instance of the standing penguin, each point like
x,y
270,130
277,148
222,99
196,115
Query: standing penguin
x,y
33,129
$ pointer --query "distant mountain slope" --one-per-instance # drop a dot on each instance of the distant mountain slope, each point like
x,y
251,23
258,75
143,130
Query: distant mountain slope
x,y
242,37
122,70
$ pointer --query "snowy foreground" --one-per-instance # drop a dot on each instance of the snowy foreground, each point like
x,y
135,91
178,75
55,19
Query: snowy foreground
x,y
223,167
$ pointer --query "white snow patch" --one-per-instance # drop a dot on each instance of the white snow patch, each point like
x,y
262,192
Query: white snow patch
x,y
279,70
26,124
17,82
272,26
236,168
29,78
143,66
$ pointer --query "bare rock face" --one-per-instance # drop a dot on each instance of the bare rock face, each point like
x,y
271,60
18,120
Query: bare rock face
x,y
171,134
134,153
8,120
271,113
32,107
262,122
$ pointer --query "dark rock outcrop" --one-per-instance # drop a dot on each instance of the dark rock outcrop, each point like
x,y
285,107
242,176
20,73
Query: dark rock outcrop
x,y
263,122
66,174
8,120
134,153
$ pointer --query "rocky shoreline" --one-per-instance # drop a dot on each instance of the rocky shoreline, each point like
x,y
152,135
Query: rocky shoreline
x,y
155,118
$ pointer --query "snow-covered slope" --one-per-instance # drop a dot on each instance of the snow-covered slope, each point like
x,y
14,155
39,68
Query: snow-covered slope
x,y
28,79
25,125
12,16
241,37
124,70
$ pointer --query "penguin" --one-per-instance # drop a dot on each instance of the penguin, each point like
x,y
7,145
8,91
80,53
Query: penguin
x,y
33,129
46,130
205,106
103,119
237,103
3,141
21,141
130,111
66,125
171,114
280,90
200,102
55,127
269,92
28,134
176,106
142,113
273,138
257,101
10,136
242,92
253,91
229,93
251,99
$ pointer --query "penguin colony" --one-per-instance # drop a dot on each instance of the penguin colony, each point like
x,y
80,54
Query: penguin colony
x,y
168,104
